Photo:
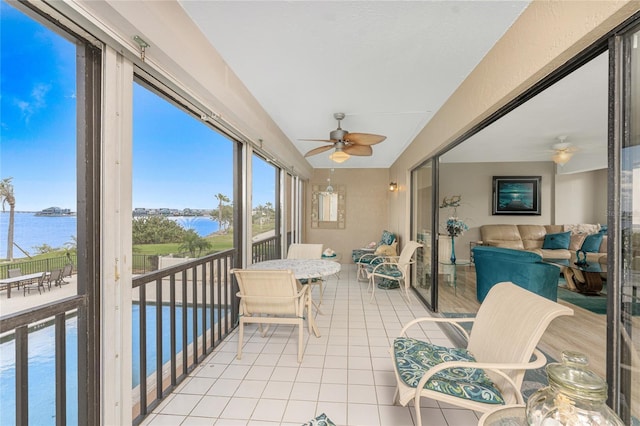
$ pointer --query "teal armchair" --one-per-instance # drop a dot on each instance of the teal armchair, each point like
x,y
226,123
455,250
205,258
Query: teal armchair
x,y
523,268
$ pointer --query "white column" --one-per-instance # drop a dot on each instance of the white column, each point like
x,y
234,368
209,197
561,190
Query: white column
x,y
116,213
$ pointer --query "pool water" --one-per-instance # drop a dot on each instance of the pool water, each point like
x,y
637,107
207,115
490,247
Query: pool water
x,y
42,379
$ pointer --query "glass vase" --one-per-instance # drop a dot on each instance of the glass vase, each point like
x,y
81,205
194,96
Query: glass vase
x,y
453,251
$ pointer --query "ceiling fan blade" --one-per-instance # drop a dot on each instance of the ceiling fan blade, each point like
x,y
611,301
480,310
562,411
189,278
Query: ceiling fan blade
x,y
364,138
362,150
319,140
318,150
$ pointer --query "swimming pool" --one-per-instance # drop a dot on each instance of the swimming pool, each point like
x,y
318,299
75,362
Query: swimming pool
x,y
42,379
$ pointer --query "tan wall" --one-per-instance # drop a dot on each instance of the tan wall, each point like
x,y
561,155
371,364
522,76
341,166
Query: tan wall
x,y
582,197
368,195
474,182
545,36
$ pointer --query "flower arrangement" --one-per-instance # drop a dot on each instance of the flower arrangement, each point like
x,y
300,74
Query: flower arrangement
x,y
455,226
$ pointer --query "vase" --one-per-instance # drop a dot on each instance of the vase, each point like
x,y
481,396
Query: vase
x,y
453,251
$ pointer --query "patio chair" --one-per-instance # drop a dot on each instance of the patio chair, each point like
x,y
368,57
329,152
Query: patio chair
x,y
39,284
490,371
364,256
67,271
307,251
15,272
393,269
55,277
271,297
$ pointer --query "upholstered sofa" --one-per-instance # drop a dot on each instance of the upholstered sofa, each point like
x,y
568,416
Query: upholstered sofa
x,y
525,269
549,241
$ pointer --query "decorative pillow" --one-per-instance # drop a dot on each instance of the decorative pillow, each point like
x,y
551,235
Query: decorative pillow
x,y
592,243
387,238
321,420
557,241
387,250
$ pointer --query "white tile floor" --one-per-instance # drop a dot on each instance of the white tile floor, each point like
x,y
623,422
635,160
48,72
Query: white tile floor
x,y
346,373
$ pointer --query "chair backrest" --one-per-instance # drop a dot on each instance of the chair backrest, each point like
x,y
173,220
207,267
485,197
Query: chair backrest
x,y
55,275
67,270
268,292
509,325
12,273
526,269
305,251
42,278
407,253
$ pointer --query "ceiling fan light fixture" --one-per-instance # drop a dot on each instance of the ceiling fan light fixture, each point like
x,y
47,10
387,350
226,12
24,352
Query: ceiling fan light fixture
x,y
562,157
339,156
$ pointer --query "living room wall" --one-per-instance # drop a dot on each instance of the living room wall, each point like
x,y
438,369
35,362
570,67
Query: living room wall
x,y
581,197
575,198
474,182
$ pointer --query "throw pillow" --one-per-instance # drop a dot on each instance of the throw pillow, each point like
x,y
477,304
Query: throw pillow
x,y
560,240
592,243
321,420
576,241
387,238
386,250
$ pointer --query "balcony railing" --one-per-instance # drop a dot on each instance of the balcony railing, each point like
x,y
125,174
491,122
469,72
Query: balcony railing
x,y
180,314
266,249
18,327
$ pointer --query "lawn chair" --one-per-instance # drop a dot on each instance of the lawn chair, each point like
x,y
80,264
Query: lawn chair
x,y
55,277
490,371
67,271
270,297
39,284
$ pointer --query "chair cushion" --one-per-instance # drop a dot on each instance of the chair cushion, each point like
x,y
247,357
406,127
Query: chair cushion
x,y
415,357
387,238
557,241
388,270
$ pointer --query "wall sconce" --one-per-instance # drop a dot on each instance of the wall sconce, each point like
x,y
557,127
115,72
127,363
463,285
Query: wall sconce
x,y
393,186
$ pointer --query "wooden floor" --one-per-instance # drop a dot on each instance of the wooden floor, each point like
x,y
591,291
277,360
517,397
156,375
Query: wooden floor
x,y
583,332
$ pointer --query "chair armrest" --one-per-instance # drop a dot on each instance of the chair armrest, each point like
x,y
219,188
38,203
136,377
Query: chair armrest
x,y
452,321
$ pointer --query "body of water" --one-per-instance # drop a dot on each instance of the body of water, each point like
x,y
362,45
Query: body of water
x,y
42,379
31,231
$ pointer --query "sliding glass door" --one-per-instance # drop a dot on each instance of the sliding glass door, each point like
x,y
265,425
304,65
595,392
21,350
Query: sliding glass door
x,y
422,230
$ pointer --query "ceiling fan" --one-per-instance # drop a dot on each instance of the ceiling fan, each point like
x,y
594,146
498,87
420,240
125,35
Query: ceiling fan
x,y
563,151
345,143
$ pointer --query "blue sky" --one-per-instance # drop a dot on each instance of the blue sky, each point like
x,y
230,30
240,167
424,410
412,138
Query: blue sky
x,y
178,161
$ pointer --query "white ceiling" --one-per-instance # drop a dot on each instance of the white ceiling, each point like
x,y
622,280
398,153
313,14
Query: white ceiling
x,y
575,107
387,65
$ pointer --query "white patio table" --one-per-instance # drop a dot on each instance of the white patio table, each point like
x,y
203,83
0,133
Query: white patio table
x,y
302,269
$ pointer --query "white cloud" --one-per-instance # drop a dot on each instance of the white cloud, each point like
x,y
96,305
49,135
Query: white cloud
x,y
36,101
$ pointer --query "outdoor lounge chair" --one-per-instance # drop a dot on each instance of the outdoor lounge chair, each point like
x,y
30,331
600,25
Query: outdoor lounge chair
x,y
490,371
67,271
270,297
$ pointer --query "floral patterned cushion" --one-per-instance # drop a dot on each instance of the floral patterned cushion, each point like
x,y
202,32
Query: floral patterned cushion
x,y
388,270
415,357
387,238
321,420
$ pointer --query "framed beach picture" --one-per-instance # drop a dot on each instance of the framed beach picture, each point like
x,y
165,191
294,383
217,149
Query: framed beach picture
x,y
516,195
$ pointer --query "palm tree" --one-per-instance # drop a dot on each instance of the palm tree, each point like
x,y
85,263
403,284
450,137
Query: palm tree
x,y
7,197
221,199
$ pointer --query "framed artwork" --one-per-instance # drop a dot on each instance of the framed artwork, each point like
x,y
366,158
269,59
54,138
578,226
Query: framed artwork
x,y
516,195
